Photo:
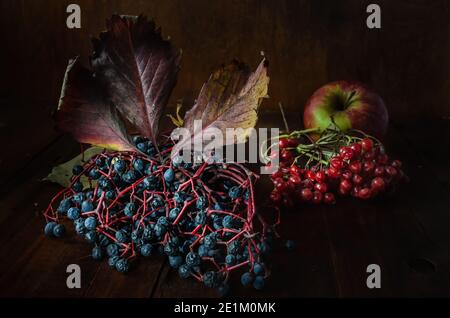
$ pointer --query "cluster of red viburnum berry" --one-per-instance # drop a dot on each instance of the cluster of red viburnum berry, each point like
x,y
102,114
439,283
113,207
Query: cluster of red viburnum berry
x,y
335,164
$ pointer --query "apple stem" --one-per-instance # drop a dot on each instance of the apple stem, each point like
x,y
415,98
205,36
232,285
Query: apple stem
x,y
286,126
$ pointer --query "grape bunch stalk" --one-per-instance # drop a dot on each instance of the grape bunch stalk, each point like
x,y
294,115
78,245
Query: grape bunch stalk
x,y
202,216
336,163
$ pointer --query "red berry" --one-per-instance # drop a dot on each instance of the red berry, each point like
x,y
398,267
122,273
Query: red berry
x,y
286,155
396,164
295,179
367,144
321,176
307,183
310,175
355,190
378,184
276,175
355,167
346,153
370,155
347,175
317,197
346,185
306,194
368,167
292,142
392,171
275,196
356,147
333,173
364,193
295,170
336,163
383,159
283,143
285,170
357,179
379,171
321,187
329,198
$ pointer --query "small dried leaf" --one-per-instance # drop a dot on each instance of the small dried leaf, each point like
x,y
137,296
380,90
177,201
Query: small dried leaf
x,y
61,174
229,99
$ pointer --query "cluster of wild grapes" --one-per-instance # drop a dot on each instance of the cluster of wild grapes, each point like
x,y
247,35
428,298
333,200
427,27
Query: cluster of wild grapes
x,y
335,165
202,216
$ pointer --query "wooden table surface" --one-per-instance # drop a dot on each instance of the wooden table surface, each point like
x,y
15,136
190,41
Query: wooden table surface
x,y
407,234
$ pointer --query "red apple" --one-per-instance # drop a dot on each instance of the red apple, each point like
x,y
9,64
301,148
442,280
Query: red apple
x,y
352,106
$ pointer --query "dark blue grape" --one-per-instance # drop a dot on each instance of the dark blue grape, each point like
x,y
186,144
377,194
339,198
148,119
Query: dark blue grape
x,y
227,222
77,186
90,223
130,176
97,253
211,279
177,161
103,240
77,170
175,261
162,220
112,249
184,271
223,290
113,260
234,192
170,249
200,218
104,183
120,166
230,259
130,209
290,245
150,183
202,251
258,269
121,236
90,236
142,147
138,165
259,282
59,230
193,259
87,206
233,247
137,139
94,174
78,198
210,240
48,229
160,230
169,175
174,213
246,279
122,265
110,194
148,233
73,213
146,250
202,203
64,206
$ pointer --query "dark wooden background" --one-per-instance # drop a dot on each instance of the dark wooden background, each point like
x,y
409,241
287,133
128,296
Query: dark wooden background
x,y
308,43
